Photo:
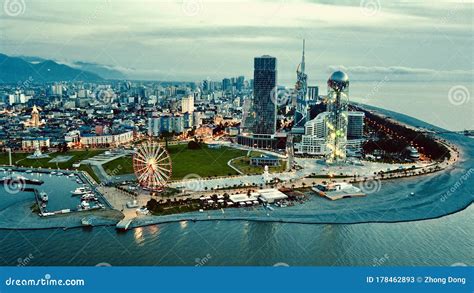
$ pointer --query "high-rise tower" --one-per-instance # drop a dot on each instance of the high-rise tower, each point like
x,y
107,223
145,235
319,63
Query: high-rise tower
x,y
264,100
337,118
302,108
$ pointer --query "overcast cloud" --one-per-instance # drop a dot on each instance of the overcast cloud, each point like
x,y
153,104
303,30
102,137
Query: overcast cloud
x,y
193,40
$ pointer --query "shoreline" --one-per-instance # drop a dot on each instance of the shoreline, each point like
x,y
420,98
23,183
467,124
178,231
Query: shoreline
x,y
280,221
66,221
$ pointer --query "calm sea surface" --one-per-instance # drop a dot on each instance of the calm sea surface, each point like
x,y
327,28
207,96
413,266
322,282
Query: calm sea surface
x,y
439,242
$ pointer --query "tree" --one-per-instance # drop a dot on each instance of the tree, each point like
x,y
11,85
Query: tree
x,y
194,145
166,135
152,204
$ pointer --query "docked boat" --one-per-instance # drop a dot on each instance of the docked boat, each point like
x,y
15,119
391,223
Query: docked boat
x,y
85,205
60,174
80,191
28,171
89,196
44,196
71,175
53,173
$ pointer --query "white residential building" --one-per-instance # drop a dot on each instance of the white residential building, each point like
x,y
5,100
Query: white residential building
x,y
313,142
111,140
187,104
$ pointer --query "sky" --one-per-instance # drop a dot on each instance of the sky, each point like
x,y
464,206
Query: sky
x,y
193,40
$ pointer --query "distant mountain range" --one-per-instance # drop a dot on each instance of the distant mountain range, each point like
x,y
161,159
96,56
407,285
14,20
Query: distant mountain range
x,y
23,68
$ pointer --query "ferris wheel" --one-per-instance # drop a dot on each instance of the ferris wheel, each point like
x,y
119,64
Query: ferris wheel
x,y
152,166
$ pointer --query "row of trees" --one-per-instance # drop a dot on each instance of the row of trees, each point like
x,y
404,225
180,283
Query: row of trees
x,y
406,136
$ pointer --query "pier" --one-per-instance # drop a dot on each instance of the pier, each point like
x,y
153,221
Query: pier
x,y
11,180
123,224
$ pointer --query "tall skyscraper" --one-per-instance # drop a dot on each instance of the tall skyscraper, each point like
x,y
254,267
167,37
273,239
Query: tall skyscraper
x,y
337,118
302,108
264,105
240,83
226,84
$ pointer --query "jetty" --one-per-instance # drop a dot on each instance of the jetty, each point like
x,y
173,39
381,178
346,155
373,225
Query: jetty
x,y
123,224
335,191
20,180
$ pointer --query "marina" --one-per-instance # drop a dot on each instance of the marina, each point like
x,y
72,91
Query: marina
x,y
54,190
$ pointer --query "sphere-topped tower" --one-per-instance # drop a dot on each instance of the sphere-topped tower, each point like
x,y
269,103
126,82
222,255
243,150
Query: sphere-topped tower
x,y
336,120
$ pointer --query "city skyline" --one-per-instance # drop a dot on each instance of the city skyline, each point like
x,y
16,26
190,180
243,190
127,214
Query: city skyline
x,y
378,38
243,133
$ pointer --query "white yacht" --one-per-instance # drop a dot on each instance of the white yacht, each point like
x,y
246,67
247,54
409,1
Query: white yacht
x,y
80,191
89,196
85,205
